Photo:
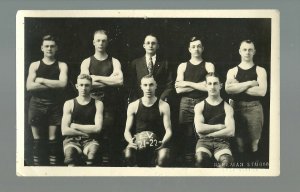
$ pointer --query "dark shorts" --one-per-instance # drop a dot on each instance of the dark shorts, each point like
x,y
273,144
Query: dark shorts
x,y
249,119
44,111
213,146
186,109
81,144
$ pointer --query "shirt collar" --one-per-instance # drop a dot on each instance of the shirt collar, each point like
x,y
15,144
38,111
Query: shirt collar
x,y
153,59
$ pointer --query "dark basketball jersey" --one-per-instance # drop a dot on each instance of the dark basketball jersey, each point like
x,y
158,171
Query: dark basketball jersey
x,y
149,119
103,68
84,114
195,73
214,114
48,72
243,76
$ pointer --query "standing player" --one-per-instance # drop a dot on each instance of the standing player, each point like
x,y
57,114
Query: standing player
x,y
190,83
107,76
81,123
46,80
247,84
214,125
148,113
151,64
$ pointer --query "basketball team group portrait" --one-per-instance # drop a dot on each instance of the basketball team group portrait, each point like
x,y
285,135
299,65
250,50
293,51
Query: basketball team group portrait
x,y
164,92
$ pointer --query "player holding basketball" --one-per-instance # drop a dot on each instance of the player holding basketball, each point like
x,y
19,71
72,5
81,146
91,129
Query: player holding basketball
x,y
46,80
148,114
81,123
214,125
247,84
107,76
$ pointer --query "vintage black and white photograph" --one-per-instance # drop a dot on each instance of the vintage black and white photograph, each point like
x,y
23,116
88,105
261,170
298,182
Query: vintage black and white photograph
x,y
148,93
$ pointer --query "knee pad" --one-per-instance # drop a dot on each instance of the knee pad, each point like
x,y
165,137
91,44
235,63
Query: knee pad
x,y
202,159
130,157
71,156
225,160
93,156
163,160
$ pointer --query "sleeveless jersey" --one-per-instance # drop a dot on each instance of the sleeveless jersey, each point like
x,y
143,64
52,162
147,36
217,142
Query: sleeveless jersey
x,y
149,119
48,72
243,76
84,114
214,114
103,68
195,73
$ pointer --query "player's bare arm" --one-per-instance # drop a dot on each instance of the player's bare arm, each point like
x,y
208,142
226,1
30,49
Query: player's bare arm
x,y
200,126
62,80
261,88
131,111
31,85
229,129
165,111
180,84
66,121
232,86
115,79
97,127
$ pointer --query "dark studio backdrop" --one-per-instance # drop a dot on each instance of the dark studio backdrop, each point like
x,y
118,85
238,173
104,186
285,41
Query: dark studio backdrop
x,y
221,39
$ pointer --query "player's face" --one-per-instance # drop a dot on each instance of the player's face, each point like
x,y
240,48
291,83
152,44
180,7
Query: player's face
x,y
49,48
148,86
196,48
213,86
100,42
247,51
84,87
150,45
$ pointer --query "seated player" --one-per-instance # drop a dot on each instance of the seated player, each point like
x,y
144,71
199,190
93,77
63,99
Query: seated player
x,y
214,125
81,123
148,114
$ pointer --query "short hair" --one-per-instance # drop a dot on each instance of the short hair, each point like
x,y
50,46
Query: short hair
x,y
152,35
149,76
247,41
101,31
49,38
195,38
213,74
85,76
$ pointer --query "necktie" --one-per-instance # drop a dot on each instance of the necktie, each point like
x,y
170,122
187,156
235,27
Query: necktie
x,y
150,66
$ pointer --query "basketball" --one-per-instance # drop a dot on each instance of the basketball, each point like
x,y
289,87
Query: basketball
x,y
146,140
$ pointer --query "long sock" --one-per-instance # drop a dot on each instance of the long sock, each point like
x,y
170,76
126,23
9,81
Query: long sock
x,y
52,152
37,152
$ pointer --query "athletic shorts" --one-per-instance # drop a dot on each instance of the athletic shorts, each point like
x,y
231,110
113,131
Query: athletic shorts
x,y
213,146
81,144
249,119
186,109
44,111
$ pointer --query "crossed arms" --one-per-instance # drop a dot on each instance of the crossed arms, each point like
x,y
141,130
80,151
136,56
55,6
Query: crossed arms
x,y
253,88
115,79
73,129
218,130
37,83
182,86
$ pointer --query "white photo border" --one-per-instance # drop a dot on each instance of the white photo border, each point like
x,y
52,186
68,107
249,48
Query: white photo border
x,y
274,124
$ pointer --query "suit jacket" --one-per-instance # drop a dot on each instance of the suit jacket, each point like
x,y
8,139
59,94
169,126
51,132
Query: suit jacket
x,y
161,73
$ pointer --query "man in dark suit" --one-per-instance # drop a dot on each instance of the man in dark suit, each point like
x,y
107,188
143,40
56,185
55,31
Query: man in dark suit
x,y
152,64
